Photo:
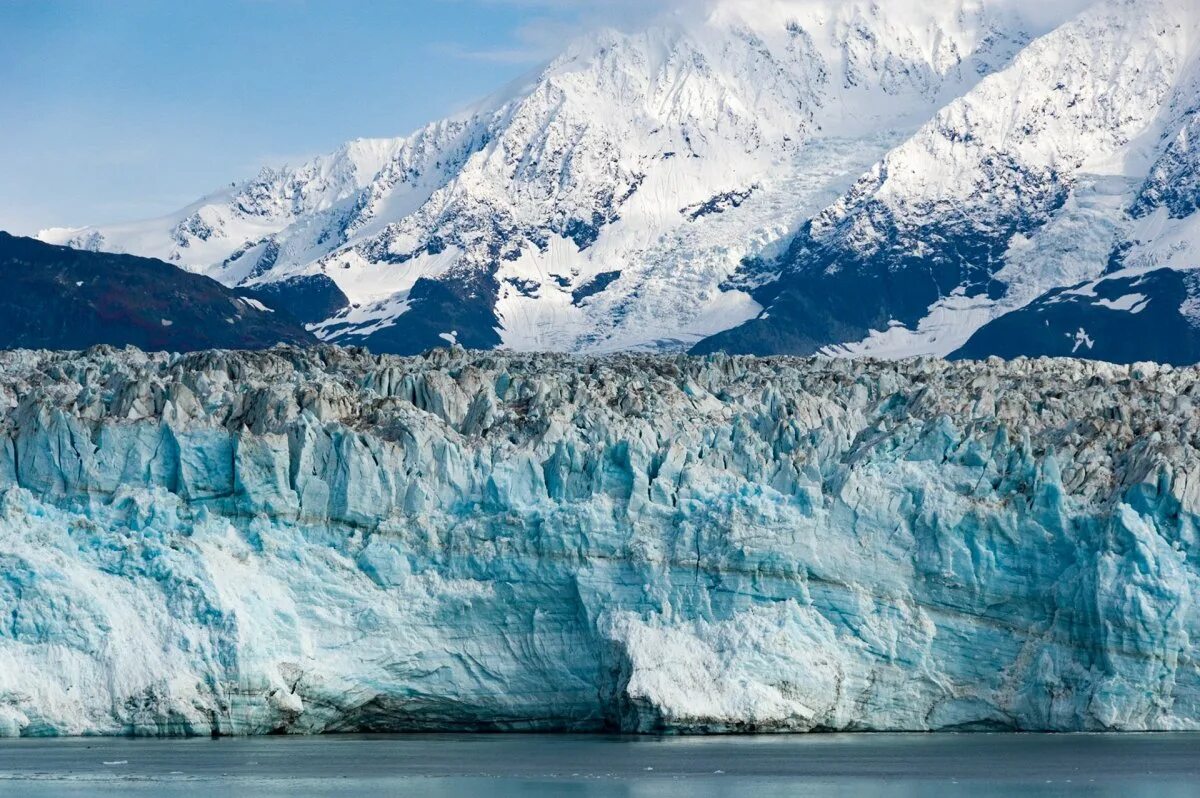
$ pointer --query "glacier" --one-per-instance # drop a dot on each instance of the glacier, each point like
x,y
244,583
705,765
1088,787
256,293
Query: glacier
x,y
324,540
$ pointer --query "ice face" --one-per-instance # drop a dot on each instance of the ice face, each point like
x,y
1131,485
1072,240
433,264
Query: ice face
x,y
326,540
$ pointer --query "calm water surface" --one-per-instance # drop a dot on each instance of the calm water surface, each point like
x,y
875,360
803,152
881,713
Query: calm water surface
x,y
976,765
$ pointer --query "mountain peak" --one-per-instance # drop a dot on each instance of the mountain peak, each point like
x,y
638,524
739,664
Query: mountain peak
x,y
650,188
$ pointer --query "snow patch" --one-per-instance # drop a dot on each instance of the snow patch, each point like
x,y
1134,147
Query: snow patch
x,y
256,305
1081,338
1134,303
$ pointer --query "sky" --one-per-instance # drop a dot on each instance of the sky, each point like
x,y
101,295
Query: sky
x,y
114,110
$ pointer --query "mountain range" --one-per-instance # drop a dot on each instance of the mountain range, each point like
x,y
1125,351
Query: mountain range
x,y
962,178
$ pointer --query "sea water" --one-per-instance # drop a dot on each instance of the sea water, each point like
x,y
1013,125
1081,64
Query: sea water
x,y
504,766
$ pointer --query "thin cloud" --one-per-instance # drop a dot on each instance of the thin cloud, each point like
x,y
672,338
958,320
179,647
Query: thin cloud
x,y
550,23
553,22
512,55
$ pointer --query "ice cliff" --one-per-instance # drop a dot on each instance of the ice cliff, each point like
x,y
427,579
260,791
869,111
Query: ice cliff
x,y
326,540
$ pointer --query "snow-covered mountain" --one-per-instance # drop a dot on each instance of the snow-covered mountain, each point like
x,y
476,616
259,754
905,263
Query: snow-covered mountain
x,y
1070,164
842,176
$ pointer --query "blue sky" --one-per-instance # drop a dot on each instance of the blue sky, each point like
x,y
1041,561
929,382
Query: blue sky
x,y
123,109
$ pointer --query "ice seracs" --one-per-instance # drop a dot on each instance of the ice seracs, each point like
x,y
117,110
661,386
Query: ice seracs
x,y
324,540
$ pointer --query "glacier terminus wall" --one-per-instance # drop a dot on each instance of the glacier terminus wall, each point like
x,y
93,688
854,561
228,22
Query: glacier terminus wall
x,y
327,540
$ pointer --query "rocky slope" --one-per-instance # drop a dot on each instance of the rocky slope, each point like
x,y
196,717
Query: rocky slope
x,y
62,298
1144,316
325,540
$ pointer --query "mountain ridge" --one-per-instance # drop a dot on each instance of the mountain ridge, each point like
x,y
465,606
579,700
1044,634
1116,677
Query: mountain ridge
x,y
705,167
60,298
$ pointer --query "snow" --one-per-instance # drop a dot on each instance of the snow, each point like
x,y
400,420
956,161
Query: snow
x,y
1134,303
256,305
1190,309
325,540
1081,339
949,323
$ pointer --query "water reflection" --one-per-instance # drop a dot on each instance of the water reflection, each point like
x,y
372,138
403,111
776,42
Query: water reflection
x,y
883,766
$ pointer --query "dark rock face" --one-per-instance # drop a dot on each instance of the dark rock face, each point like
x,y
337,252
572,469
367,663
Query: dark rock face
x,y
1151,316
594,286
63,298
440,311
719,203
308,298
830,293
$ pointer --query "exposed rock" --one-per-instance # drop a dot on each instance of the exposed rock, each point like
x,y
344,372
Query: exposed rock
x,y
62,298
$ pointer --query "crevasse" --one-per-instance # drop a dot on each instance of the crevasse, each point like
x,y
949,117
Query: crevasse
x,y
326,540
